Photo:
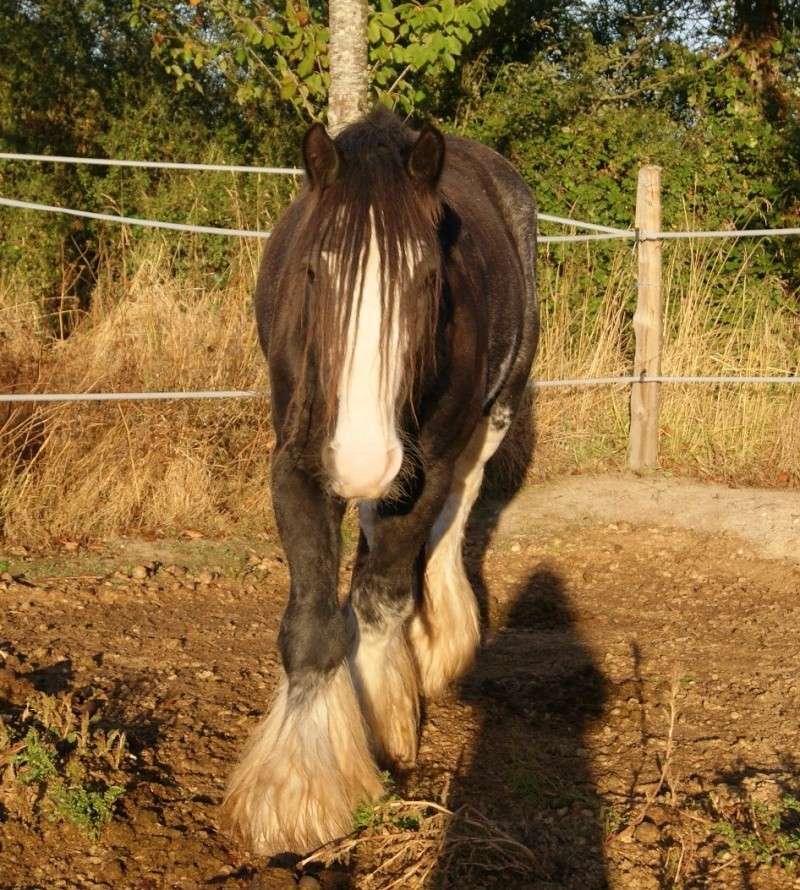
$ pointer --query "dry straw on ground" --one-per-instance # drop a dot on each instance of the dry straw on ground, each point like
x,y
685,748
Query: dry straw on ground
x,y
89,470
411,840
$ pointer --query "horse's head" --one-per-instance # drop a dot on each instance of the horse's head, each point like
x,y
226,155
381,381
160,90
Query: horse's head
x,y
374,271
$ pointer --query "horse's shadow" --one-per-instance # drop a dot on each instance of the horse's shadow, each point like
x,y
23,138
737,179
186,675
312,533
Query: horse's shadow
x,y
536,688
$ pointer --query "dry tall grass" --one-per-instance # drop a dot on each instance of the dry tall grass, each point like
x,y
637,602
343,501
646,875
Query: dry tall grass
x,y
736,433
79,471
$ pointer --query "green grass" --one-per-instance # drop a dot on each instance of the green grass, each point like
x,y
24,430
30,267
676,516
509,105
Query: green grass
x,y
67,759
767,835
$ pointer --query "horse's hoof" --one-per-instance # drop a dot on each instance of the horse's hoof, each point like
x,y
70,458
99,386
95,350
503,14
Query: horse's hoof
x,y
305,770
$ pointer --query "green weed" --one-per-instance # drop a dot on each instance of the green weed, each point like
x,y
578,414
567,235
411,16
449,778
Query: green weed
x,y
37,760
67,758
88,809
385,813
766,835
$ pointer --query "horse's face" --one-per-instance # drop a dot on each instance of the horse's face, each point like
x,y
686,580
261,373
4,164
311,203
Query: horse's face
x,y
363,453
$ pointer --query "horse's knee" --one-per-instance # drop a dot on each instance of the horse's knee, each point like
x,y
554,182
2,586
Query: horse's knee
x,y
313,641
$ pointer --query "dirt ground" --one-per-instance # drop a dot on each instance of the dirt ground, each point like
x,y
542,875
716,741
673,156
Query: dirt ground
x,y
631,721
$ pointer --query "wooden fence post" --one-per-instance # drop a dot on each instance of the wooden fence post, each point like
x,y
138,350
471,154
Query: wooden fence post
x,y
647,323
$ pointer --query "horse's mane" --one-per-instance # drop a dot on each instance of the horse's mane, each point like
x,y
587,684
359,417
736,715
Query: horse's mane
x,y
372,192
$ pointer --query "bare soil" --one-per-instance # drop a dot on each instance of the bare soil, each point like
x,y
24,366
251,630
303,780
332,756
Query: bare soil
x,y
609,618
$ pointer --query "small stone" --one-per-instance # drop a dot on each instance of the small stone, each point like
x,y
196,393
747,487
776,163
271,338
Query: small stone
x,y
205,577
113,871
647,833
7,577
307,882
658,815
139,573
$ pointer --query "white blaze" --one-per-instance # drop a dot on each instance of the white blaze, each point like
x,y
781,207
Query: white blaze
x,y
365,453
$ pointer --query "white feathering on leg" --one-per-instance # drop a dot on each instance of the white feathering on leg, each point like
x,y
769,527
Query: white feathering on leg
x,y
305,769
386,680
445,631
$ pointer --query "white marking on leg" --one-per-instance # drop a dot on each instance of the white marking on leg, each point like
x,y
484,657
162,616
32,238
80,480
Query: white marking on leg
x,y
385,678
305,769
445,631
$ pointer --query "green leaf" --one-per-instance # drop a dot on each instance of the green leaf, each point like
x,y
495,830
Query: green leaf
x,y
430,15
306,66
315,84
469,17
288,89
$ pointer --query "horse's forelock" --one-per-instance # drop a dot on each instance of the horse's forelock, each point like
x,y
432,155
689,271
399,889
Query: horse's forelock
x,y
373,195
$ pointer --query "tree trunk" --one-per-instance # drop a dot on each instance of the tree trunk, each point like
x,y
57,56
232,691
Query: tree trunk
x,y
758,22
348,95
757,25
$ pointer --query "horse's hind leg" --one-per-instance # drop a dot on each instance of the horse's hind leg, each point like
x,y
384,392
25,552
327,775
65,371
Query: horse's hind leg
x,y
308,765
445,631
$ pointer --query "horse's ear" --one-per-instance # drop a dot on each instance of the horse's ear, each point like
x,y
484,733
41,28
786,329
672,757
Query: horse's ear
x,y
320,157
426,158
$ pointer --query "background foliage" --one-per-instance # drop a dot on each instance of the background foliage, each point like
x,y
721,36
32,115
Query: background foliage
x,y
578,95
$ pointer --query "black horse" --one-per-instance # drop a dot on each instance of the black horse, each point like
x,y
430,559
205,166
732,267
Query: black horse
x,y
396,307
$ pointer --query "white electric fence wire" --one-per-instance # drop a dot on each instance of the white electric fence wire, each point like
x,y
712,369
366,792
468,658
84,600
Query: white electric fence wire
x,y
133,221
246,233
574,239
255,393
578,224
607,234
723,233
152,165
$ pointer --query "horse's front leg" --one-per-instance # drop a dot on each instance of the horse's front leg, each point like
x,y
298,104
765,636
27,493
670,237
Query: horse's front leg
x,y
307,765
382,601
